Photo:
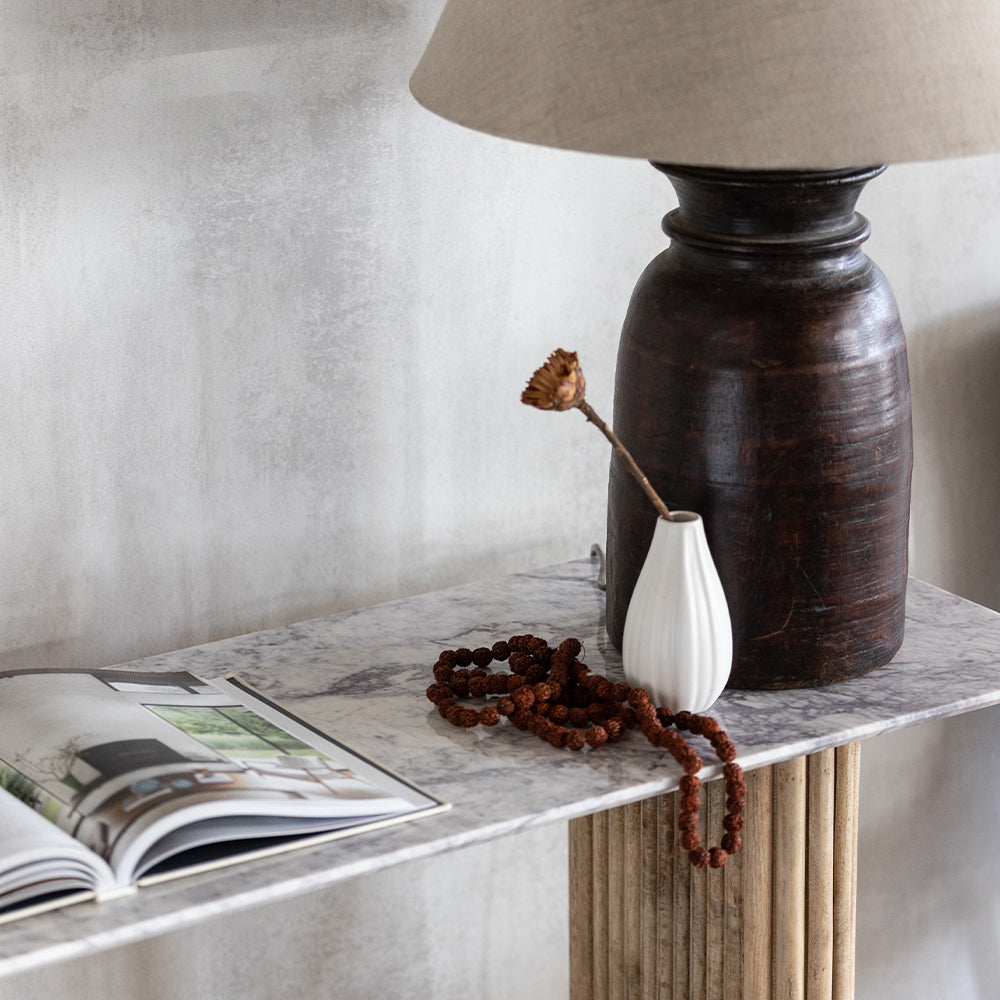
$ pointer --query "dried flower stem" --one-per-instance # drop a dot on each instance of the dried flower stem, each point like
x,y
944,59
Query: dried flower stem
x,y
559,385
588,411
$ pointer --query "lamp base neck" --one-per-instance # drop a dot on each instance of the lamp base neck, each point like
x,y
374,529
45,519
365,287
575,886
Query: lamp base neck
x,y
799,210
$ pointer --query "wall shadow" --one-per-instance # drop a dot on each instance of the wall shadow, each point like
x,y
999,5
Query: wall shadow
x,y
955,530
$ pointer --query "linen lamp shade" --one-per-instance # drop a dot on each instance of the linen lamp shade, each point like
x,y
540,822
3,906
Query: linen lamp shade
x,y
736,83
762,376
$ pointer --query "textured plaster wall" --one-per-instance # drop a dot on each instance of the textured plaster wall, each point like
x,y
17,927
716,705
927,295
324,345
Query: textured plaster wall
x,y
928,920
265,326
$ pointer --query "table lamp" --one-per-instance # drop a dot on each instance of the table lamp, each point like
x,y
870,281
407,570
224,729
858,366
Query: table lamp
x,y
762,376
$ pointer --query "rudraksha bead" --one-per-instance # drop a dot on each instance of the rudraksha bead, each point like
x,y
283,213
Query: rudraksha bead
x,y
700,857
689,840
438,692
571,647
559,713
615,729
523,697
597,736
687,822
690,803
717,857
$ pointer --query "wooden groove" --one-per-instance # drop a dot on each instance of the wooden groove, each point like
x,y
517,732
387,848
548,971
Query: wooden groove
x,y
681,917
733,877
714,804
698,922
789,887
581,908
845,882
648,892
632,883
599,927
819,876
758,860
668,840
615,861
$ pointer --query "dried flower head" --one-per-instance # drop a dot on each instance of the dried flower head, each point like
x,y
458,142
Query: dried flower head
x,y
557,385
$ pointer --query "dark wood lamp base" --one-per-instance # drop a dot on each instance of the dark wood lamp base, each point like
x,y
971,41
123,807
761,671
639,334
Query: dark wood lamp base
x,y
762,382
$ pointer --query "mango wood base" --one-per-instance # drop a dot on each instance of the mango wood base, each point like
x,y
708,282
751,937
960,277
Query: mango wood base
x,y
777,923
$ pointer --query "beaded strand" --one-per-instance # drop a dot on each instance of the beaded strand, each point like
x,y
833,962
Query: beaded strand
x,y
552,694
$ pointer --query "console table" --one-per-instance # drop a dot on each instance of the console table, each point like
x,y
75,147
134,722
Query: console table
x,y
776,921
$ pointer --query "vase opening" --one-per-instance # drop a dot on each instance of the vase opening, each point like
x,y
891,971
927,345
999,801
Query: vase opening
x,y
684,515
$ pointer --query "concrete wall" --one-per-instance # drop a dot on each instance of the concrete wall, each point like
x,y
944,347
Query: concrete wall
x,y
266,322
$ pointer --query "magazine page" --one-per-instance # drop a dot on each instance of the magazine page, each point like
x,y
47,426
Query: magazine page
x,y
37,859
287,779
123,760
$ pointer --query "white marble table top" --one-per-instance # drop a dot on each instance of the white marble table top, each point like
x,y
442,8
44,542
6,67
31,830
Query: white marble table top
x,y
361,676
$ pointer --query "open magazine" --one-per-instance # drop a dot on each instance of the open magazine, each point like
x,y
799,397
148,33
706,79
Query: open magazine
x,y
111,778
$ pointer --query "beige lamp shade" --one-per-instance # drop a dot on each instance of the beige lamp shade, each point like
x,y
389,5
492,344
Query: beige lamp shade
x,y
736,83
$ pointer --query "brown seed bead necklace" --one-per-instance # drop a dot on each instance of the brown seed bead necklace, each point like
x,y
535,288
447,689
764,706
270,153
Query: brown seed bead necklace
x,y
552,694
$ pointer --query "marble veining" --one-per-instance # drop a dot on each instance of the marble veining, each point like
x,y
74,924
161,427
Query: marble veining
x,y
361,676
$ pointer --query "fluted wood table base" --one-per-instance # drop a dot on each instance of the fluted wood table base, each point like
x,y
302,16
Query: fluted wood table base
x,y
777,923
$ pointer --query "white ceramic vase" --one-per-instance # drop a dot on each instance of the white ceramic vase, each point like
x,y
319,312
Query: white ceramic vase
x,y
678,640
